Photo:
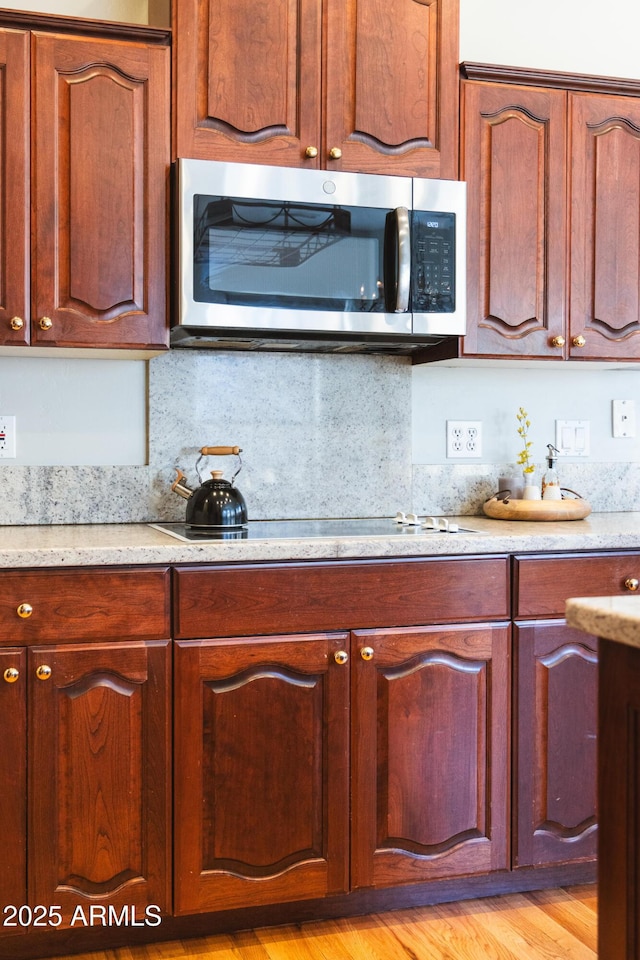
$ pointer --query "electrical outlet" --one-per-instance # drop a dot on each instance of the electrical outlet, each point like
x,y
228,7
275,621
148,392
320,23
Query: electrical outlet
x,y
7,437
464,438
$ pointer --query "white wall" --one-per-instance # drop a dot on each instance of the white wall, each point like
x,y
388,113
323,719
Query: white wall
x,y
572,35
493,395
75,411
127,11
579,36
568,35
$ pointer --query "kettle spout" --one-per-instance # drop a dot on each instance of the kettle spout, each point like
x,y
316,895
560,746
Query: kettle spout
x,y
179,487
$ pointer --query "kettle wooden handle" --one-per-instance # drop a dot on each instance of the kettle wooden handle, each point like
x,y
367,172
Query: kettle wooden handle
x,y
220,451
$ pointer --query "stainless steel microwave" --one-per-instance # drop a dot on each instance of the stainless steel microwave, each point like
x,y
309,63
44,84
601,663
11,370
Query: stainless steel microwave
x,y
284,258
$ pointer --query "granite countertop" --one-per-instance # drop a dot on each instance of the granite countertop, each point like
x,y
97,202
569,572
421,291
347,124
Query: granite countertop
x,y
97,544
613,618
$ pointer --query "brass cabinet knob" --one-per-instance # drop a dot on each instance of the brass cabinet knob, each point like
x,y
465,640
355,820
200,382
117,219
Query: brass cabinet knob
x,y
366,653
43,672
632,583
16,323
558,342
335,153
24,610
341,656
311,152
578,341
45,323
11,674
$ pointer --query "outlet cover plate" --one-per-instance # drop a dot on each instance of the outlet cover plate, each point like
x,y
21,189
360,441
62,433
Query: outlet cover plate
x,y
623,418
7,437
464,439
573,438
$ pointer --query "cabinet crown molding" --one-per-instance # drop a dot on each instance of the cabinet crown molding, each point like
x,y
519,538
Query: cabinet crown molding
x,y
525,76
23,20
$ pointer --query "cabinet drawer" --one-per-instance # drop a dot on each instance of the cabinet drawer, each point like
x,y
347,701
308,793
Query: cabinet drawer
x,y
338,595
543,584
84,604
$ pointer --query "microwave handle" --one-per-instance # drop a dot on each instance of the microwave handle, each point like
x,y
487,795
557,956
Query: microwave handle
x,y
397,252
404,260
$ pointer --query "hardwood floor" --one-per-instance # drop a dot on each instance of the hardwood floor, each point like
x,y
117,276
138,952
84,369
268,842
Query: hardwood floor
x,y
543,925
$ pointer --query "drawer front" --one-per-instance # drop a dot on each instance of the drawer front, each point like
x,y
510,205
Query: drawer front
x,y
87,604
298,598
543,584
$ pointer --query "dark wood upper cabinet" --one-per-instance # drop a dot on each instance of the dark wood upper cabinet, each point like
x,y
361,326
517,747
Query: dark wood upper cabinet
x,y
100,182
87,151
368,86
604,304
514,162
552,165
390,97
14,187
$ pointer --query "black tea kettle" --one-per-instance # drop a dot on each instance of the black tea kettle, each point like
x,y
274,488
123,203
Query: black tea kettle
x,y
216,503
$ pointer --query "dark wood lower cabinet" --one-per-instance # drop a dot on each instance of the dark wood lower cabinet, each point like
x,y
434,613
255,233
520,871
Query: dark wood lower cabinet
x,y
430,752
324,762
554,803
13,778
261,770
99,785
89,724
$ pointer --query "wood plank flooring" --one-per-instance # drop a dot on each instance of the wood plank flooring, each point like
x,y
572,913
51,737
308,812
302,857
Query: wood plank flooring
x,y
543,925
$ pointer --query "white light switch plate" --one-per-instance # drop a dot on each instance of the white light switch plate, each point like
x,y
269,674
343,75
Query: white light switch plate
x,y
573,438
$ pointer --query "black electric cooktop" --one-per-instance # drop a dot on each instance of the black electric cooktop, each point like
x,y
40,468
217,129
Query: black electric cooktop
x,y
308,529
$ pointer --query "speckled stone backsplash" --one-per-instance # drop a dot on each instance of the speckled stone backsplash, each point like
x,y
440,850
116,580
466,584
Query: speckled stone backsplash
x,y
322,436
463,488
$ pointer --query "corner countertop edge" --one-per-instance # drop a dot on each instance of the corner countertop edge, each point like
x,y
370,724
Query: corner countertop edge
x,y
609,618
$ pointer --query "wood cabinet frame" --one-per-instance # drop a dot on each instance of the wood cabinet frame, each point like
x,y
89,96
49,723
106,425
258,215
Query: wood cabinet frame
x,y
552,164
83,261
366,86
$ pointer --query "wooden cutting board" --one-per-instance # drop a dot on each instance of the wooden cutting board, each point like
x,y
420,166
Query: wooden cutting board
x,y
568,509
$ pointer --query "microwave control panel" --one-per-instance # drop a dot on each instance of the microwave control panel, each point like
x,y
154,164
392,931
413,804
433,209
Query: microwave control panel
x,y
433,249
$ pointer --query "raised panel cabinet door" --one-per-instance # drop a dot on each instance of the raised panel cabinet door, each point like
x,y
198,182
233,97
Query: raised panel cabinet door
x,y
100,190
247,80
430,753
554,807
14,187
99,780
261,771
391,87
604,310
513,158
13,782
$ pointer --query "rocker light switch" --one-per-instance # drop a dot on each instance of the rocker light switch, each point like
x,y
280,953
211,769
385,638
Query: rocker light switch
x,y
573,438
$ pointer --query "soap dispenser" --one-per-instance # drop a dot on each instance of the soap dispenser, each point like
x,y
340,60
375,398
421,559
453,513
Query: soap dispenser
x,y
550,481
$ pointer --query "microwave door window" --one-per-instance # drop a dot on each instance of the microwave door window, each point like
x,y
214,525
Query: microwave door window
x,y
288,255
